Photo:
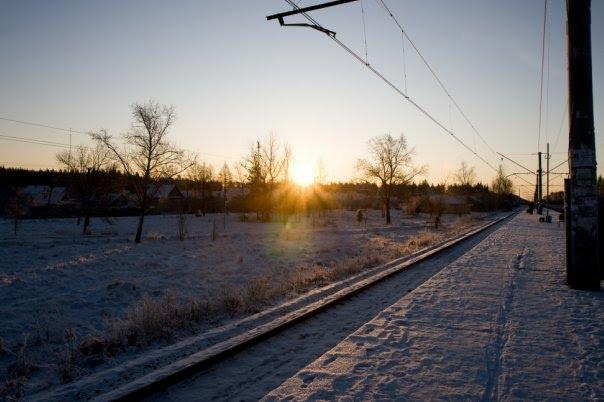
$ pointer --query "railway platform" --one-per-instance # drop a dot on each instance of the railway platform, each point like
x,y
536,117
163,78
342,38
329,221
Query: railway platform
x,y
499,323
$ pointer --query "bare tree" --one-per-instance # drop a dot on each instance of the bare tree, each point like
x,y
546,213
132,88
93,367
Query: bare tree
x,y
265,166
389,164
226,178
86,165
201,174
272,162
320,173
465,175
147,155
15,210
502,185
239,177
286,162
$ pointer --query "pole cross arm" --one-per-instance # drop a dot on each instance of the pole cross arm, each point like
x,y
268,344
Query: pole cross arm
x,y
318,28
280,16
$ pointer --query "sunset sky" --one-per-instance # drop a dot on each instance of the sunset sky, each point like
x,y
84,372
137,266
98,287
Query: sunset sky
x,y
233,77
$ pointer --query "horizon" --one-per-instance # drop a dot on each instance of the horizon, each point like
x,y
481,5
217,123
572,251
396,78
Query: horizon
x,y
81,66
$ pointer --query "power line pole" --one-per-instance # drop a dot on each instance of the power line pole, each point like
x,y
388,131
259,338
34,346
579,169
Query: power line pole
x,y
548,218
70,146
539,186
582,228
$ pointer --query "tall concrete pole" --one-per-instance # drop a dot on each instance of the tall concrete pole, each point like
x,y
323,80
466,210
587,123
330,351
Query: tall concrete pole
x,y
539,186
547,158
582,231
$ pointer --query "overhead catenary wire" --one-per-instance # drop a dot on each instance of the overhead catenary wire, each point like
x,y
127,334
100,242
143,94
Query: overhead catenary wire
x,y
564,116
433,72
541,78
547,86
393,86
364,29
404,62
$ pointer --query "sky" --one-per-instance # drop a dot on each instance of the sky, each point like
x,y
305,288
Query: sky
x,y
234,77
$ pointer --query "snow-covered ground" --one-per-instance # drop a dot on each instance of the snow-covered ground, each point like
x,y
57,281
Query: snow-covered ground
x,y
498,323
57,286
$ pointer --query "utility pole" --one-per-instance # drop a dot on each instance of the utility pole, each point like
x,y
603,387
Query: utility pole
x,y
548,218
539,186
582,228
70,145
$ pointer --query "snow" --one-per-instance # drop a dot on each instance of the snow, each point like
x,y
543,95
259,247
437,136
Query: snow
x,y
498,323
53,278
250,375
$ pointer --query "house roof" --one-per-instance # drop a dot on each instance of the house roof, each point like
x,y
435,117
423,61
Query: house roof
x,y
43,195
164,191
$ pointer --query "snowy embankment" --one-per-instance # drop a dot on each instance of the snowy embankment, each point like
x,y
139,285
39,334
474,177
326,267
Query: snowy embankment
x,y
499,323
60,288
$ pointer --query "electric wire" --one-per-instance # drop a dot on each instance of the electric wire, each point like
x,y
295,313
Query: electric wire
x,y
541,79
364,30
45,126
436,77
404,61
564,116
33,141
393,86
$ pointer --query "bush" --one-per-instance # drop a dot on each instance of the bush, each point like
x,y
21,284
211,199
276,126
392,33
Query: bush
x,y
359,216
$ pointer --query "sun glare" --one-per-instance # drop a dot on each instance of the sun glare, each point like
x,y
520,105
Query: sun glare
x,y
303,175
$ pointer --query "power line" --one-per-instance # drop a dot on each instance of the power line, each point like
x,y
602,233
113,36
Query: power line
x,y
364,30
541,81
390,84
33,141
440,83
564,115
45,126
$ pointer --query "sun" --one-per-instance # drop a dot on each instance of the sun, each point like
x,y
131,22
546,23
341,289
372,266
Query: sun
x,y
303,175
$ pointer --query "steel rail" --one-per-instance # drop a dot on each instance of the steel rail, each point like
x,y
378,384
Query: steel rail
x,y
182,369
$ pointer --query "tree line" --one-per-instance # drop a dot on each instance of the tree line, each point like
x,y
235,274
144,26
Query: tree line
x,y
144,156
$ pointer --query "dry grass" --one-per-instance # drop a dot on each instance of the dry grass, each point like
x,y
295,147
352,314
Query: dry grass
x,y
463,222
13,387
160,319
421,240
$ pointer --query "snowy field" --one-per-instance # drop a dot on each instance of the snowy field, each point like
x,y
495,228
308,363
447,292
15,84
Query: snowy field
x,y
497,324
58,287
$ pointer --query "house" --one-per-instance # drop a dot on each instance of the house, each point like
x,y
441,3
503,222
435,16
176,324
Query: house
x,y
451,202
120,200
164,192
44,196
167,197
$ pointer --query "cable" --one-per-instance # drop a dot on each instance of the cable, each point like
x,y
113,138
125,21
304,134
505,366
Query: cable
x,y
541,83
34,141
404,62
564,115
364,30
548,71
44,125
394,87
440,83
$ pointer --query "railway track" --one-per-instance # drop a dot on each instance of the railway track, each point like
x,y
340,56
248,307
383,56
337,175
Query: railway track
x,y
253,362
